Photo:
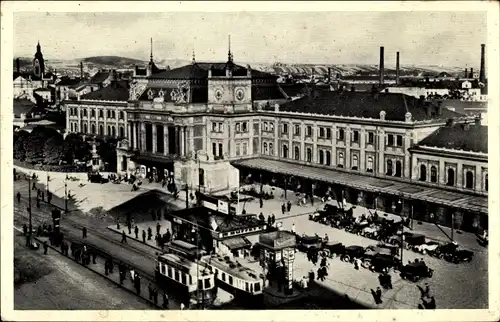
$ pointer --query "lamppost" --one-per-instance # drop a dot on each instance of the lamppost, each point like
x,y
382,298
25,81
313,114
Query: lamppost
x,y
402,232
48,180
66,194
30,234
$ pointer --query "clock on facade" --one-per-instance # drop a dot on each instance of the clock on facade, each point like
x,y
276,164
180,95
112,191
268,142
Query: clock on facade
x,y
218,94
240,94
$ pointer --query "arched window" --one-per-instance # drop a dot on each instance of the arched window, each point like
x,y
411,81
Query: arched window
x,y
85,112
121,115
296,152
271,151
423,173
265,126
113,114
398,169
109,130
433,174
122,131
85,128
101,129
340,164
450,180
108,113
309,155
271,126
101,113
354,164
369,164
92,129
389,168
328,158
469,180
321,156
265,148
113,131
92,113
285,151
486,182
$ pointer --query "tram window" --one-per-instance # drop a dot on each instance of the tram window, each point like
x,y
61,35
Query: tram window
x,y
169,270
200,284
190,280
184,279
257,287
162,269
246,287
223,276
177,275
207,283
230,280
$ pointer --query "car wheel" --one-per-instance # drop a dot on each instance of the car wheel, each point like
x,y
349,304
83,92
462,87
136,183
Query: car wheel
x,y
346,258
366,264
424,251
440,255
333,255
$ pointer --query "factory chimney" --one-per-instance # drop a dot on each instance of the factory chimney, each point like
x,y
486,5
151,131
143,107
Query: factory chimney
x,y
81,70
397,68
381,66
18,65
471,75
482,75
465,73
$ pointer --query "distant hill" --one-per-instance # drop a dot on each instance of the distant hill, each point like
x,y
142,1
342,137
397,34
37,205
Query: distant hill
x,y
116,61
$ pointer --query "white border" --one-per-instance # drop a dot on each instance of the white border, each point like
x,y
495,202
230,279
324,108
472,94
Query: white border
x,y
7,9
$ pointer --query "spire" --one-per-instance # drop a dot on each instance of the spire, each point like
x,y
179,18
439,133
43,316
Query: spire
x,y
229,54
151,57
38,47
194,58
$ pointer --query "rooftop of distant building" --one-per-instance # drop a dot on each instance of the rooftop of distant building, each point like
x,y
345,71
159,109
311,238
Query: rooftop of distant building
x,y
116,91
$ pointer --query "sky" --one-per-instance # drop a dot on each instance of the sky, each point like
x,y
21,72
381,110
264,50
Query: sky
x,y
422,38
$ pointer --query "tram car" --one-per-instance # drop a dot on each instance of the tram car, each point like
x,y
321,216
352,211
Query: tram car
x,y
193,282
243,282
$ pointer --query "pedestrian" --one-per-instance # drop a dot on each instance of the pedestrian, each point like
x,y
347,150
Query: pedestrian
x,y
261,202
168,235
84,232
37,202
45,247
432,304
18,197
124,237
94,255
379,295
375,296
144,236
320,274
150,233
136,231
356,264
25,230
269,221
49,197
111,265
33,186
293,228
158,227
182,306
289,205
165,301
132,275
427,290
155,296
43,196
150,289
106,267
283,208
137,281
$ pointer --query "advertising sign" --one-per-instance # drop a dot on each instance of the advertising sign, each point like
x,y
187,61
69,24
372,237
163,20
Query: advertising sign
x,y
223,207
209,205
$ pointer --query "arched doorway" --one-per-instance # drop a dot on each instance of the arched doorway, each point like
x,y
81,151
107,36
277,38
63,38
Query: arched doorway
x,y
398,169
450,181
423,173
469,180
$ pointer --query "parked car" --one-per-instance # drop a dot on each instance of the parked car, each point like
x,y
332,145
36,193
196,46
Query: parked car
x,y
334,249
371,232
452,253
304,242
97,178
410,242
416,271
379,262
352,252
427,248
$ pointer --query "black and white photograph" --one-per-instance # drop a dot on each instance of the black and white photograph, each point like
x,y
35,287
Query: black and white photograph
x,y
204,160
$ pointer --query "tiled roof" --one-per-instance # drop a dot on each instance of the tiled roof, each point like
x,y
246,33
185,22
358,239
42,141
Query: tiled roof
x,y
99,78
466,107
261,93
69,82
200,71
470,137
362,104
23,106
117,91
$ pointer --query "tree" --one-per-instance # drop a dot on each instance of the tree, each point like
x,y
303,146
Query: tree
x,y
107,152
53,150
76,148
34,145
20,138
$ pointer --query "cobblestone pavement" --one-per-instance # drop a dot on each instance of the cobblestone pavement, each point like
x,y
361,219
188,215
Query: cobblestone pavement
x,y
69,286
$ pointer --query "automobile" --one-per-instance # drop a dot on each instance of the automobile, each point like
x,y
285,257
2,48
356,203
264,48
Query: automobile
x,y
429,247
452,253
373,251
371,231
304,242
97,178
379,262
334,249
394,249
445,249
410,242
393,240
416,271
357,227
352,252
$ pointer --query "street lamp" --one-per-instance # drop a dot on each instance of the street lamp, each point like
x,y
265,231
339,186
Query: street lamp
x,y
30,234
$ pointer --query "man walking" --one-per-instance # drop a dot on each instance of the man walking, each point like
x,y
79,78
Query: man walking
x,y
18,197
45,247
136,231
144,236
150,233
124,237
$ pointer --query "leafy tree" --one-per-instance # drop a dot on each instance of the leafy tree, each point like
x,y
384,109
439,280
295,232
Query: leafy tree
x,y
54,150
20,139
34,145
76,148
107,152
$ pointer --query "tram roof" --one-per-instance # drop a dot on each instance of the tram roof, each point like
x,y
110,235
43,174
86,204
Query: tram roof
x,y
231,267
182,264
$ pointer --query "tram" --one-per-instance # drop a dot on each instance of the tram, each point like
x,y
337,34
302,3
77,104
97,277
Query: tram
x,y
235,278
193,282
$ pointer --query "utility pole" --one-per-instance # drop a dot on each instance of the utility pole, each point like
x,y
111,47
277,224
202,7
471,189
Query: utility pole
x,y
452,225
30,234
48,179
66,194
187,196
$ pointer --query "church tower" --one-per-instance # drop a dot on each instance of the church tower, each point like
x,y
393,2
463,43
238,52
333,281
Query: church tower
x,y
38,62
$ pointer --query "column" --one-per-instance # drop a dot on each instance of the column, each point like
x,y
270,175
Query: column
x,y
134,129
165,140
459,175
348,156
302,145
88,121
182,136
143,136
191,139
277,141
105,116
362,145
381,149
128,135
315,128
154,138
177,140
406,166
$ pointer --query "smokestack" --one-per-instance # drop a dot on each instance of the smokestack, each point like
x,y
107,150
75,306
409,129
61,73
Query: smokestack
x,y
397,68
482,75
18,65
81,70
381,71
329,74
471,75
465,73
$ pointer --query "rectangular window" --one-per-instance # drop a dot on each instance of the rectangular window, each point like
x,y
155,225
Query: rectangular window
x,y
214,127
309,131
390,140
285,129
207,283
230,280
223,276
265,127
355,136
257,287
221,152
214,149
162,268
200,284
371,138
238,149
176,274
341,135
221,127
399,140
237,127
184,279
244,127
244,152
169,271
321,132
297,129
328,133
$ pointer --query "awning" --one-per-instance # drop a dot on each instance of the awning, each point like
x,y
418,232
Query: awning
x,y
154,160
365,183
237,243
